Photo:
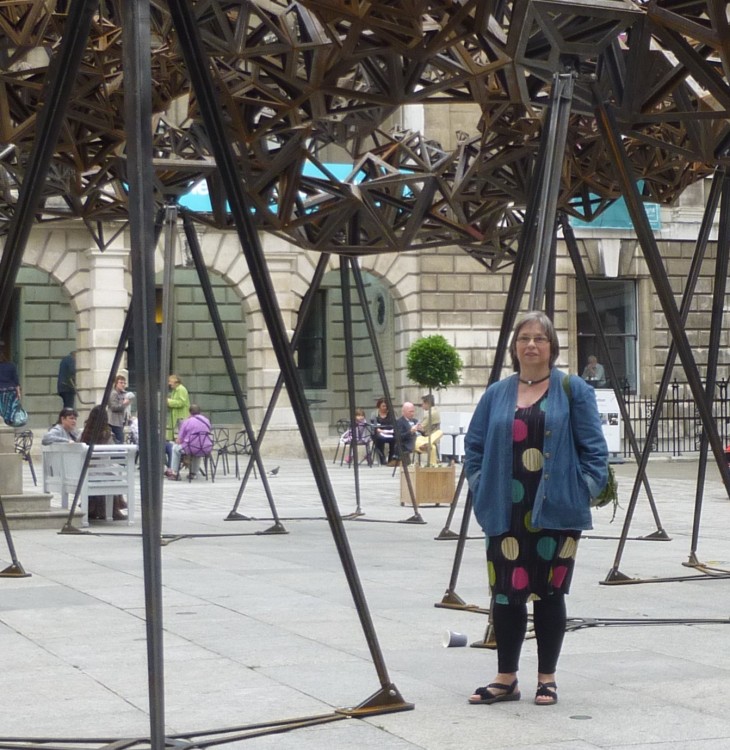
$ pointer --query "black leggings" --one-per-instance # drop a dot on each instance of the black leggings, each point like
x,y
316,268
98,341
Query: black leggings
x,y
510,626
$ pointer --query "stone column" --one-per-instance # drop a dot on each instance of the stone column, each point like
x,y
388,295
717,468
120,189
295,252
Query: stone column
x,y
263,366
101,311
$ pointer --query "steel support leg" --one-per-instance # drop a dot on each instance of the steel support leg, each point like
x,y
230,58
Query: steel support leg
x,y
198,67
136,24
207,287
658,273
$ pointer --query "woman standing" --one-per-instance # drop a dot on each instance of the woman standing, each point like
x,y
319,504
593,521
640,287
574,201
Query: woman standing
x,y
535,455
119,402
178,409
9,387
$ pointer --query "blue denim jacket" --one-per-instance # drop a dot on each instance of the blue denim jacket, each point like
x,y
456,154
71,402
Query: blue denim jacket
x,y
575,456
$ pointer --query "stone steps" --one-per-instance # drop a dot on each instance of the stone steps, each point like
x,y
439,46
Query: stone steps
x,y
34,511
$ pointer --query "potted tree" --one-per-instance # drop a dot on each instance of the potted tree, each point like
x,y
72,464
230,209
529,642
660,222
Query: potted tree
x,y
433,363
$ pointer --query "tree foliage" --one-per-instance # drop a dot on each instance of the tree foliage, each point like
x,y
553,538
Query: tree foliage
x,y
433,362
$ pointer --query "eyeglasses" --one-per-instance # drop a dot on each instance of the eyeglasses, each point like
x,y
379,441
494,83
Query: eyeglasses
x,y
538,340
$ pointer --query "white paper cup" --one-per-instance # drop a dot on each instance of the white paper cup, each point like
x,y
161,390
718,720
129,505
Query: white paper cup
x,y
452,639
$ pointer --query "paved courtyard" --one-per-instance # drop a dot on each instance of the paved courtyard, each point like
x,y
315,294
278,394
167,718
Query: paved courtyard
x,y
261,628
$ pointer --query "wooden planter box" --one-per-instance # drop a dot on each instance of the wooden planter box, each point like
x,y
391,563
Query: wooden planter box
x,y
432,486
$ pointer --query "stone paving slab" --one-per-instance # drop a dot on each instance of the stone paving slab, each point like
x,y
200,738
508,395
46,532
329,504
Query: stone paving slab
x,y
262,627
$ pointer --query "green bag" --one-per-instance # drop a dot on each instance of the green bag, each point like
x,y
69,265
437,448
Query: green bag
x,y
609,494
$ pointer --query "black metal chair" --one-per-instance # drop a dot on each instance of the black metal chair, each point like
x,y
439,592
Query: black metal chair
x,y
221,437
241,446
200,449
23,444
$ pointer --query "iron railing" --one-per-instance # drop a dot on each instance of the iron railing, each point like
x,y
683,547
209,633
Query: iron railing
x,y
680,427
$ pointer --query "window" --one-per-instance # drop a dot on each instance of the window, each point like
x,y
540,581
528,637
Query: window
x,y
132,378
615,301
312,347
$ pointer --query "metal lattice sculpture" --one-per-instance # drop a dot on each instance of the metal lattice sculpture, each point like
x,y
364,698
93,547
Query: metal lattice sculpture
x,y
313,81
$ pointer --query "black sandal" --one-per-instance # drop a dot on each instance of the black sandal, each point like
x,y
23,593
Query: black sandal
x,y
509,693
546,690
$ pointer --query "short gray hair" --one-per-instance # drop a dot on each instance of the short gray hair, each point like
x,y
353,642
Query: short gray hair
x,y
535,316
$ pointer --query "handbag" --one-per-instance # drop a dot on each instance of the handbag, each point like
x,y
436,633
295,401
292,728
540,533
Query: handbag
x,y
609,494
19,417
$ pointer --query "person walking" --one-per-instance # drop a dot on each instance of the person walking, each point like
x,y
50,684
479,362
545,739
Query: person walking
x,y
535,455
66,385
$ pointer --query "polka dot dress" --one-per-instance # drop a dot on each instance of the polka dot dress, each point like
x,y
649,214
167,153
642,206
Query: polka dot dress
x,y
527,563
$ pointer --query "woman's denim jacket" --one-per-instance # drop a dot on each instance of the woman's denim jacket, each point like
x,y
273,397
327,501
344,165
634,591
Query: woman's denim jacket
x,y
575,454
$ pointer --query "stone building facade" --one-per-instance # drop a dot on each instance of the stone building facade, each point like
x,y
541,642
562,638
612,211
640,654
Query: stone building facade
x,y
71,295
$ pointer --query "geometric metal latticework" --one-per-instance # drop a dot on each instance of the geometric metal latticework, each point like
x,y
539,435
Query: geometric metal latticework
x,y
311,82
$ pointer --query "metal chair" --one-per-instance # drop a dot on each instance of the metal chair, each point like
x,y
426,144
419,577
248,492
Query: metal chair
x,y
23,444
342,426
221,437
241,446
364,439
200,451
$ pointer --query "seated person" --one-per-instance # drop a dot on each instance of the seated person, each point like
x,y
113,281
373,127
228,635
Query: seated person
x,y
594,373
406,427
430,430
383,431
194,439
98,429
362,433
64,431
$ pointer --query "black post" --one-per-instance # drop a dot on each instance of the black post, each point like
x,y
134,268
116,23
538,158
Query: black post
x,y
694,275
582,279
207,287
713,348
198,68
314,285
658,273
360,286
138,117
557,118
350,371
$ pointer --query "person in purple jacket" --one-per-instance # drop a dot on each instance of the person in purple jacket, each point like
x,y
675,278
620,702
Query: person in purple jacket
x,y
194,439
535,454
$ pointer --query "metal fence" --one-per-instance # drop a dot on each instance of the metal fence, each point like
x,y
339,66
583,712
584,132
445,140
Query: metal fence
x,y
680,427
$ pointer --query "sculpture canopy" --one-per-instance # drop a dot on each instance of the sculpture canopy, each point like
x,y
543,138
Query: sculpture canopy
x,y
316,81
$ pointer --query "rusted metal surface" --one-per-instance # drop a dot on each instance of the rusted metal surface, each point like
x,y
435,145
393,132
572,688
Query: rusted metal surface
x,y
311,82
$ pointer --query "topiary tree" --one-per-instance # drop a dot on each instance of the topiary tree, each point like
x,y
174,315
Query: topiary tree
x,y
433,363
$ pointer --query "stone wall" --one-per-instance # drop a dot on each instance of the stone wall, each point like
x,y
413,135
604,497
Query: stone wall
x,y
74,295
